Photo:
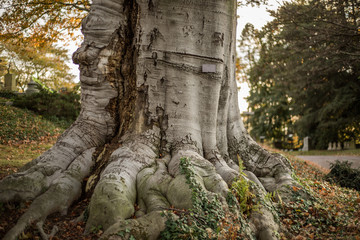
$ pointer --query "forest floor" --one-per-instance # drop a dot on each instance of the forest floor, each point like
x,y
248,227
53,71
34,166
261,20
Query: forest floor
x,y
332,213
12,157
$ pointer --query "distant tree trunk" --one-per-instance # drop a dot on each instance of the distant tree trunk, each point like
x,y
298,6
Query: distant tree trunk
x,y
158,84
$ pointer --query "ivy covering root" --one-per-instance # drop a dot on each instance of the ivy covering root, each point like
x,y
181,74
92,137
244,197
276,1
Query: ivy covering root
x,y
199,213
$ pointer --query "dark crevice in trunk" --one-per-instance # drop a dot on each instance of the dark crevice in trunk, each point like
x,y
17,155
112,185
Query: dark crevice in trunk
x,y
122,76
122,70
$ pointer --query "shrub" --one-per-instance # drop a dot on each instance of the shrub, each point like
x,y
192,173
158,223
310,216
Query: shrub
x,y
7,94
60,108
342,174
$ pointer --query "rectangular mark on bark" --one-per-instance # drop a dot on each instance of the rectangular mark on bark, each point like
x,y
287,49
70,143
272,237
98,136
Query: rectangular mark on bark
x,y
208,68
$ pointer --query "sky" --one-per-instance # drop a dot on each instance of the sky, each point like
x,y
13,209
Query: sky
x,y
258,16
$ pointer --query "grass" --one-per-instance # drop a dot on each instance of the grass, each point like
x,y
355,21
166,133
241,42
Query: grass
x,y
14,156
23,126
23,137
352,152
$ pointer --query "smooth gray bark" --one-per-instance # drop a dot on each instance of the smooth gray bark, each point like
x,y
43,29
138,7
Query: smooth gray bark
x,y
158,84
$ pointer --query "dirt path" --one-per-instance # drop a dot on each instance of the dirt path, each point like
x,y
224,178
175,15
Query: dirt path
x,y
324,161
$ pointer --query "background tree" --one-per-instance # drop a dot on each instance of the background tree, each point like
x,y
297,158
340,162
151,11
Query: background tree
x,y
314,46
41,22
268,99
32,35
47,64
159,120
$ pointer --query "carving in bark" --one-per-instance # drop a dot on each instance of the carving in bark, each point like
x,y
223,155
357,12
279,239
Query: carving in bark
x,y
158,84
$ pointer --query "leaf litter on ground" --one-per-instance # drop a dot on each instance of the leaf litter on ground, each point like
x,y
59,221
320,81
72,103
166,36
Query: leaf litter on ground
x,y
332,213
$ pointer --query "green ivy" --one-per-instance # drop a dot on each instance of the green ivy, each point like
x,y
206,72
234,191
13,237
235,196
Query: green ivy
x,y
195,223
207,219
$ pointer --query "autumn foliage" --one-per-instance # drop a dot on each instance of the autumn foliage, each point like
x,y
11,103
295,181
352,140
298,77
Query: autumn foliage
x,y
32,39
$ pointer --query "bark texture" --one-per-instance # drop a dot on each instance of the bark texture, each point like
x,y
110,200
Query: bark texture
x,y
158,84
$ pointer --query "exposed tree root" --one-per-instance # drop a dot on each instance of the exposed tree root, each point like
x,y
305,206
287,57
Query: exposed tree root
x,y
36,176
62,192
159,185
147,227
43,235
135,175
117,187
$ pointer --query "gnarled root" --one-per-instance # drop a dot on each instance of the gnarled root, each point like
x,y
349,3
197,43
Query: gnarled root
x,y
147,227
43,235
137,186
157,184
61,193
273,170
115,194
38,175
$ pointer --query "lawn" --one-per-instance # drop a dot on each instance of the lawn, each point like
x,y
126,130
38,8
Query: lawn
x,y
23,126
14,156
352,152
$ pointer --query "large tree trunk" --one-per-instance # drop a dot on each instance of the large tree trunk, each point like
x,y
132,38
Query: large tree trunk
x,y
158,84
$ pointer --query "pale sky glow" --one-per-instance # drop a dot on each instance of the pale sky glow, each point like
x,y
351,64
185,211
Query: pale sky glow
x,y
258,16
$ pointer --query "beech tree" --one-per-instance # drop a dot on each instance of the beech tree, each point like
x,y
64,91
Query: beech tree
x,y
158,86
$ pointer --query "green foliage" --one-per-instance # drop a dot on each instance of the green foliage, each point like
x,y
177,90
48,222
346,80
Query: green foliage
x,y
240,190
304,72
96,229
41,86
246,199
299,214
271,196
23,125
341,173
205,214
207,219
7,94
60,108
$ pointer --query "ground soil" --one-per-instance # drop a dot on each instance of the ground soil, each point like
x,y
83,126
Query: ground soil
x,y
68,228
